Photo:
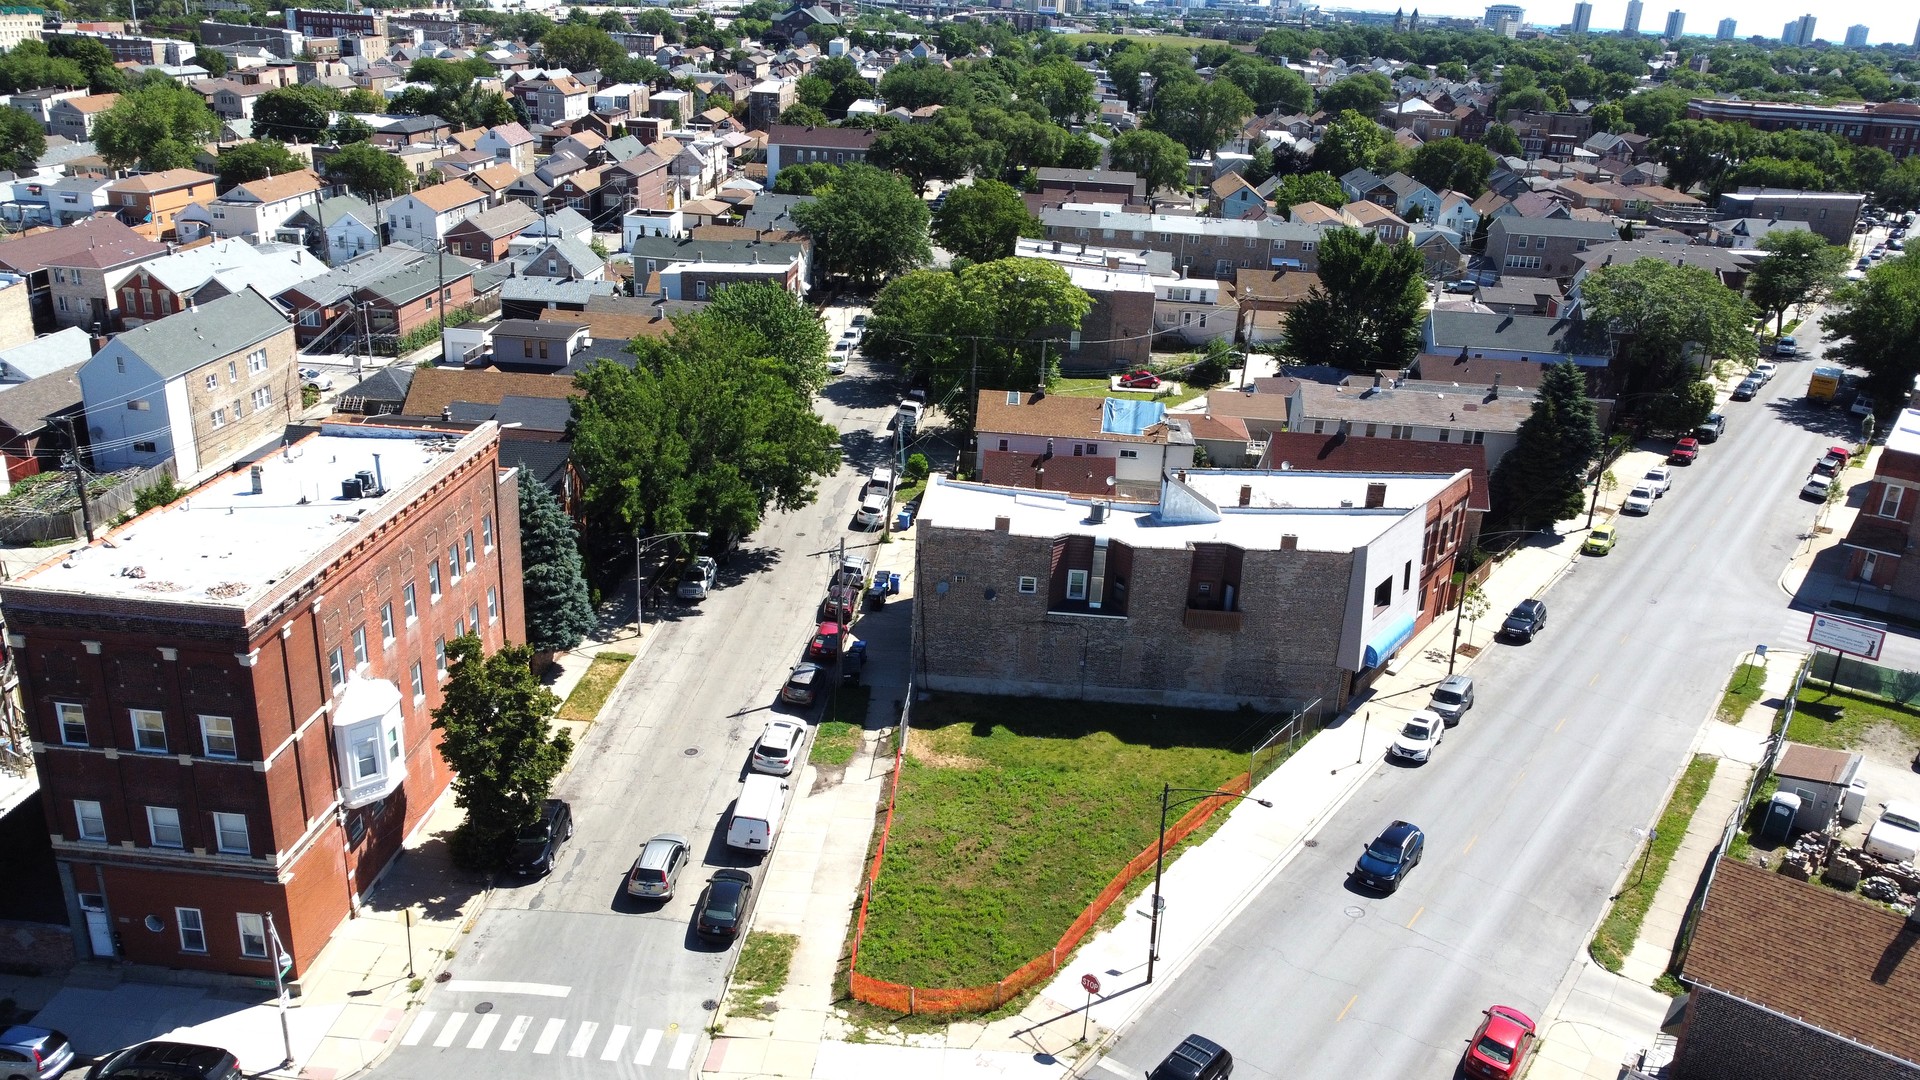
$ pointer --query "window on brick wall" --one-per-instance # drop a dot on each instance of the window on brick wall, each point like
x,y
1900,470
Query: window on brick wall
x,y
73,723
149,731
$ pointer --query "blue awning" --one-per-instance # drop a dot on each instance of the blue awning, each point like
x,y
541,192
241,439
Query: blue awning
x,y
1391,636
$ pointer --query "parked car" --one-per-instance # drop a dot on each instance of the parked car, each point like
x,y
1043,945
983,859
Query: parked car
x,y
908,417
1498,1050
880,481
1639,500
34,1053
1140,380
1419,737
1832,461
1527,618
1862,405
873,511
853,571
826,643
1685,451
1463,287
1601,540
1765,371
1816,487
538,845
658,868
843,348
778,748
696,581
837,605
160,1060
315,379
1452,698
803,684
1659,479
837,366
859,320
1748,387
1384,863
1196,1058
724,905
1714,427
1896,835
1863,264
1786,346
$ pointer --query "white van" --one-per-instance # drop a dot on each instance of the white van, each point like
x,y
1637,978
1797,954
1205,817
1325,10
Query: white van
x,y
756,813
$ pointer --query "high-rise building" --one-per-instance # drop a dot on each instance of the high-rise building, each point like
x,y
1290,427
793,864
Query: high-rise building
x,y
1632,23
1856,37
1798,32
1506,18
1727,28
1582,17
1676,22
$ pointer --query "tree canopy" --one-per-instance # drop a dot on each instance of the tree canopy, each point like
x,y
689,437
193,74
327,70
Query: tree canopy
x,y
157,127
1365,313
1800,268
299,113
579,47
980,221
553,585
1873,324
1154,157
1658,311
21,141
1315,187
866,224
1352,141
254,160
1363,93
1452,164
368,171
494,735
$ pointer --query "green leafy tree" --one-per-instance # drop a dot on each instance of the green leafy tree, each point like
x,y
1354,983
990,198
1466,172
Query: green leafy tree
x,y
1651,112
1351,142
921,152
1682,407
1503,140
992,325
1363,94
1316,187
1540,480
1200,115
254,160
496,737
613,23
1063,87
809,179
980,221
657,21
30,66
1269,85
1872,325
215,63
796,342
1452,164
1153,156
867,225
299,113
1899,187
1800,268
1366,312
579,47
1610,118
801,114
1663,315
913,84
368,171
358,100
21,140
552,581
96,60
349,129
157,128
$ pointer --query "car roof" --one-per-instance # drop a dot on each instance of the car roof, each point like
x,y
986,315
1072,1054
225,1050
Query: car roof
x,y
1399,830
785,727
654,855
1455,682
808,670
1903,808
728,874
26,1034
177,1054
1504,1024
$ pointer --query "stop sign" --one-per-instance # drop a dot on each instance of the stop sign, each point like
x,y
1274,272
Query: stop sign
x,y
1090,983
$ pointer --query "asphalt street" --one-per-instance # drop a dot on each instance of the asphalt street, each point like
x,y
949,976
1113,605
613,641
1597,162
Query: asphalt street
x,y
1531,805
569,970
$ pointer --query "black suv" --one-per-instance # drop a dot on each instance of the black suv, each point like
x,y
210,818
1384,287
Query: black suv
x,y
169,1061
538,845
1527,619
1710,431
1196,1058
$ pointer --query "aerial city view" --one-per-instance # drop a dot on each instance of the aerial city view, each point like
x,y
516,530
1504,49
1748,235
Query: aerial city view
x,y
1030,540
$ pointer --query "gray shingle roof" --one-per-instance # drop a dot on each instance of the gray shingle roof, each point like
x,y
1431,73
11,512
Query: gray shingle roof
x,y
554,290
1568,227
1537,335
668,249
189,339
25,406
45,355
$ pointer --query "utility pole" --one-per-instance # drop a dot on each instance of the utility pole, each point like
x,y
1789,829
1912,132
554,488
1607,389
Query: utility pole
x,y
79,473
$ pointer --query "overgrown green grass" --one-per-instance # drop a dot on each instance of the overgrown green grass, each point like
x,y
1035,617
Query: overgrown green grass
x,y
1099,388
1621,929
1014,813
762,971
838,737
1837,719
591,692
1742,691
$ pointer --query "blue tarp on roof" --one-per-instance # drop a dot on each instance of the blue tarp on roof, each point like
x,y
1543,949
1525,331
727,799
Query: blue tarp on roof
x,y
1125,416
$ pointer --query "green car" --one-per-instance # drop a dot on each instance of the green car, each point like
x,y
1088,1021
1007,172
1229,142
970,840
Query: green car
x,y
1600,540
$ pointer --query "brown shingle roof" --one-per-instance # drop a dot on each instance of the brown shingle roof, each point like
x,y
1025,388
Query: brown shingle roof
x,y
434,389
92,243
1308,452
1081,475
443,197
1274,286
612,325
494,177
1478,371
1059,416
1815,763
160,181
274,188
92,103
1835,962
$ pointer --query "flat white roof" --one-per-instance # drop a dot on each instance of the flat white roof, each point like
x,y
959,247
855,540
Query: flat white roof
x,y
1904,437
224,546
1301,504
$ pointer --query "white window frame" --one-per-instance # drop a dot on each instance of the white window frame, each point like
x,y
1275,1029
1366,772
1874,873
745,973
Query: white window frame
x,y
210,734
386,624
66,711
1890,498
336,668
440,657
419,682
157,822
135,716
252,928
433,581
1077,584
493,605
1029,585
90,819
486,532
411,603
193,929
223,826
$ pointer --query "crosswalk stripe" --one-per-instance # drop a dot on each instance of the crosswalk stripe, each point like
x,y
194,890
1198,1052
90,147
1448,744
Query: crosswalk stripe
x,y
451,1029
616,1041
482,1031
515,1032
649,1043
582,1039
548,1036
419,1029
682,1052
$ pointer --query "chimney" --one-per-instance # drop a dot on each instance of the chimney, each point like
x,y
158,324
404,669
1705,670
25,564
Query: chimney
x,y
1496,384
1246,494
1289,542
1376,496
1377,380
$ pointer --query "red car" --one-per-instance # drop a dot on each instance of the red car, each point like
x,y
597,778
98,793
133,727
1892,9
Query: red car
x,y
1685,451
1499,1049
1830,464
1140,380
827,639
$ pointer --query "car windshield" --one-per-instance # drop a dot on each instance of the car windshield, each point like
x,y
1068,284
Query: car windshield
x,y
725,902
1495,1052
1900,821
535,833
1384,850
1447,697
1417,729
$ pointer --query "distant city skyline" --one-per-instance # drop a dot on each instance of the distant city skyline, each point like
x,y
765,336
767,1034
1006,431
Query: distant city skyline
x,y
1886,23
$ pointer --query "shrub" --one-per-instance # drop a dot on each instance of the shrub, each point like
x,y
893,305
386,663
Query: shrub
x,y
160,494
917,468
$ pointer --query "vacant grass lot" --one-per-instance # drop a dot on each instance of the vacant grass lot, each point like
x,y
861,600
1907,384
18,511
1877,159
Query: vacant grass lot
x,y
1838,719
1622,927
1098,388
590,694
1014,813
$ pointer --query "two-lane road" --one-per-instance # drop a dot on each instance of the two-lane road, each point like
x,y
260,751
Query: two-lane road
x,y
1530,805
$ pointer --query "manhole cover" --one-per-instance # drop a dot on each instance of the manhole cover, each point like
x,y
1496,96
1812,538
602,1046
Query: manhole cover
x,y
1355,911
484,1007
691,751
709,1005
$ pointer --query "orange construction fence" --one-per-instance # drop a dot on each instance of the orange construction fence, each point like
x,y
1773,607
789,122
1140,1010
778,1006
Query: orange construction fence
x,y
973,999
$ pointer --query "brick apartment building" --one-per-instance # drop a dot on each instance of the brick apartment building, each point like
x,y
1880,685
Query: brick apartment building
x,y
1232,587
788,144
230,698
1892,126
1878,544
1832,214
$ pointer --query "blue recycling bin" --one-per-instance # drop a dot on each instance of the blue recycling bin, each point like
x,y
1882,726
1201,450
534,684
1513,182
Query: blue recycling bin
x,y
903,521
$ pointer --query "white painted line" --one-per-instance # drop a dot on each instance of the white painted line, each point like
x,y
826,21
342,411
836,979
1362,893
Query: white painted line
x,y
1107,1064
649,1043
482,1031
450,1029
548,1036
582,1038
616,1042
481,986
515,1032
682,1052
419,1029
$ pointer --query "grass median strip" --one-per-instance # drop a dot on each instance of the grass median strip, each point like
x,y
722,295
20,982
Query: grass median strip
x,y
1743,690
838,737
591,694
762,971
1622,926
1013,814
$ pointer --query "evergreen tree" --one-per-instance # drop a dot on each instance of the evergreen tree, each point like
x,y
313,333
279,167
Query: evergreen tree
x,y
1366,311
496,738
552,581
1540,480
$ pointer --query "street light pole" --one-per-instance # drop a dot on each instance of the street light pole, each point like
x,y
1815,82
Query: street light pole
x,y
639,575
1160,855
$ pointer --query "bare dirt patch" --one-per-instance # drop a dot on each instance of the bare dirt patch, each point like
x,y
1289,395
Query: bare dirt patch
x,y
927,748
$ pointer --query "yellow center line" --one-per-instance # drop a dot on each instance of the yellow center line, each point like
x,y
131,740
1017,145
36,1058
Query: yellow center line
x,y
1416,917
1623,639
1558,726
1595,679
1343,1012
1470,843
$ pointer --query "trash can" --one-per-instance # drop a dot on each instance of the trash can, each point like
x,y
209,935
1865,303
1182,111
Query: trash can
x,y
903,521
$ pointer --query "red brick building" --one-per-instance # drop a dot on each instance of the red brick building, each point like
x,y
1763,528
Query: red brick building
x,y
1881,538
230,697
